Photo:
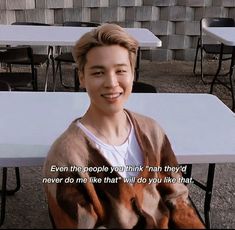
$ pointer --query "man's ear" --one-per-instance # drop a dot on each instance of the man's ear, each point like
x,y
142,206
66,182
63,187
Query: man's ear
x,y
133,75
81,80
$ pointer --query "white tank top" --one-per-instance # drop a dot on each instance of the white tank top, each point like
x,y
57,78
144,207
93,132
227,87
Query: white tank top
x,y
127,154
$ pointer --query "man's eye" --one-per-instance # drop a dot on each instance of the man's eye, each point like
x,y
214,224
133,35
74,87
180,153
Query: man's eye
x,y
121,71
97,73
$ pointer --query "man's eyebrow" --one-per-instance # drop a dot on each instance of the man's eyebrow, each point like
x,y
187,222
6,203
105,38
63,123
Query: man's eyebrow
x,y
102,67
96,67
121,64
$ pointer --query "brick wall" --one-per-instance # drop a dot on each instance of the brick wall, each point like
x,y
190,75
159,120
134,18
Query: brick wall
x,y
175,22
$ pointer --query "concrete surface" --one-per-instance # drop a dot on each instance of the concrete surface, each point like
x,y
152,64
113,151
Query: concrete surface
x,y
175,22
27,209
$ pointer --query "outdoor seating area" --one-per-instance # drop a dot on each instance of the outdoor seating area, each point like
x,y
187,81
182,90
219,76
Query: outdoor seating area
x,y
166,77
197,93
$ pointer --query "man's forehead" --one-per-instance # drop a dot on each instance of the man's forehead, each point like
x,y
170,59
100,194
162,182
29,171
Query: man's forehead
x,y
107,56
107,48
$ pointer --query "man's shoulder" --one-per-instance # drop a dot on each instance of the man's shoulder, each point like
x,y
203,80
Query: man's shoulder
x,y
70,144
143,120
71,135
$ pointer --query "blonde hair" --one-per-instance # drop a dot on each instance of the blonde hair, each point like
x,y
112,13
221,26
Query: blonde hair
x,y
104,35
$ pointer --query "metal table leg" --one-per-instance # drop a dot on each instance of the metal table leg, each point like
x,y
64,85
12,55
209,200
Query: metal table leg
x,y
230,73
4,192
232,87
208,188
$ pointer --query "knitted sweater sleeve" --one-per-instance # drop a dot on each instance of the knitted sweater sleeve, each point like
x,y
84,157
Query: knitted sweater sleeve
x,y
175,193
69,202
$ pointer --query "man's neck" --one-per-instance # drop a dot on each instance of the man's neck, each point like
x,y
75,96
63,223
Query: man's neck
x,y
112,129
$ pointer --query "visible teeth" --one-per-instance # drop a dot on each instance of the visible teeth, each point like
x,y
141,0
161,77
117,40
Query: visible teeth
x,y
111,95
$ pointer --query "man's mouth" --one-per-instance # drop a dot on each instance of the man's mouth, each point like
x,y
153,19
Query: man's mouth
x,y
111,95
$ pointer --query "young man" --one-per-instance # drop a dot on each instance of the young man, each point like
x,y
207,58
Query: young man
x,y
109,137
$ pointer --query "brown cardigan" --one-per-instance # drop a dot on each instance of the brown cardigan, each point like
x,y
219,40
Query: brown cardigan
x,y
120,204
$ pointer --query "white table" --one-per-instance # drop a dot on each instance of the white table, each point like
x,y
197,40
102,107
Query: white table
x,y
226,36
200,127
65,36
62,35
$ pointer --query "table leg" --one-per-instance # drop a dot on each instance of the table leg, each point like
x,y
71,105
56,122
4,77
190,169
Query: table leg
x,y
209,188
50,59
233,97
4,192
218,69
53,72
17,188
3,195
46,79
232,79
230,73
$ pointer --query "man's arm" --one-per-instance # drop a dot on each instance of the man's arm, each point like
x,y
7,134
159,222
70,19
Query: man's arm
x,y
69,204
175,195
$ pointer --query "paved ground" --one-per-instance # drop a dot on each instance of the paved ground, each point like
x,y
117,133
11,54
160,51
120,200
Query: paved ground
x,y
27,208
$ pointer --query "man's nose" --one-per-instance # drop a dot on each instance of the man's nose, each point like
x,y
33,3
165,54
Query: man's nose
x,y
111,80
